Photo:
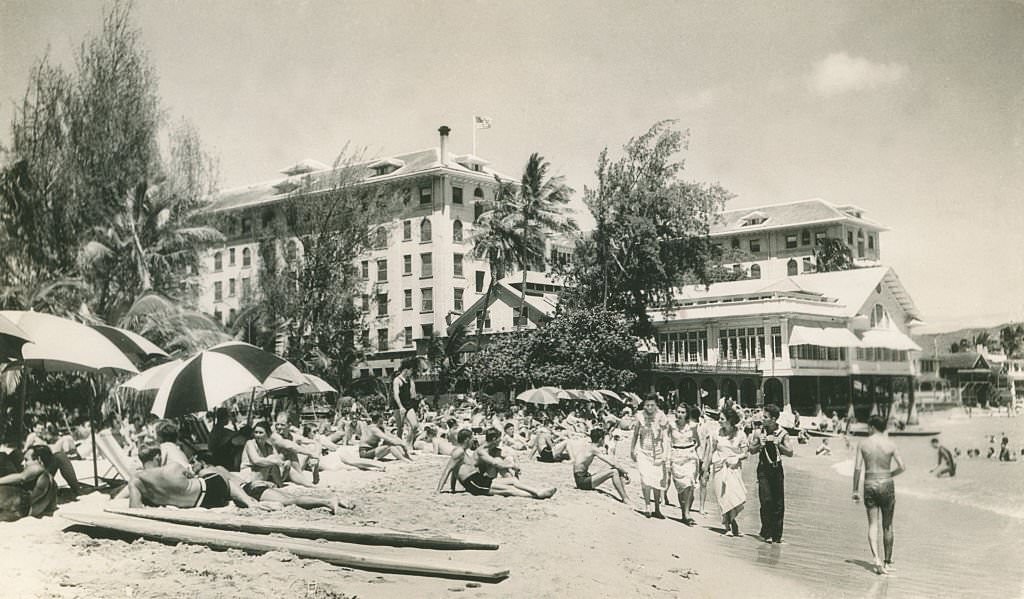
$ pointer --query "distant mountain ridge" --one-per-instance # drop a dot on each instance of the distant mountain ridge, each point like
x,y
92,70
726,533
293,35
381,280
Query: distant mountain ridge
x,y
942,341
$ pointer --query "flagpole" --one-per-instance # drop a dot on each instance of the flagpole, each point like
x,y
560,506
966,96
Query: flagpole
x,y
474,135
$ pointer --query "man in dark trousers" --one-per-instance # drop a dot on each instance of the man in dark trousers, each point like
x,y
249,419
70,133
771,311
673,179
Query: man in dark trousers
x,y
403,394
771,443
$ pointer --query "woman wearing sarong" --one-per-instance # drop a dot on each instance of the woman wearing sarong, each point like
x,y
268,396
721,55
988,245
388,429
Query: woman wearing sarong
x,y
685,446
651,434
729,449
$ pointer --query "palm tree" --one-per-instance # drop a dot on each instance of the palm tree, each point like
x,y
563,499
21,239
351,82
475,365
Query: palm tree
x,y
496,239
833,254
444,356
177,330
540,201
147,245
1012,339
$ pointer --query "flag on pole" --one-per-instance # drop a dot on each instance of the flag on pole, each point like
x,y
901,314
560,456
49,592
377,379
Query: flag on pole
x,y
482,122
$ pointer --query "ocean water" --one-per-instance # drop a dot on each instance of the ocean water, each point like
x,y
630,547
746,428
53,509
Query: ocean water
x,y
980,483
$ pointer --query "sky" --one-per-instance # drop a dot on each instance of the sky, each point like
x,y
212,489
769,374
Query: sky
x,y
913,111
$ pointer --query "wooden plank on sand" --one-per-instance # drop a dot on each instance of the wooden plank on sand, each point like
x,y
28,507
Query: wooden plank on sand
x,y
363,535
375,559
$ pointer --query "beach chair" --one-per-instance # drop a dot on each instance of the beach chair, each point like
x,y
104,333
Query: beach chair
x,y
194,437
121,466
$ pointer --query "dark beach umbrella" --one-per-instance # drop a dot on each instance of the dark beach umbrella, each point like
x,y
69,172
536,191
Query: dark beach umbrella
x,y
11,340
133,345
211,377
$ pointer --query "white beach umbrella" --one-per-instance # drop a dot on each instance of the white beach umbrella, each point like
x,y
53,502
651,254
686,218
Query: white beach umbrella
x,y
12,338
135,346
59,344
152,378
543,396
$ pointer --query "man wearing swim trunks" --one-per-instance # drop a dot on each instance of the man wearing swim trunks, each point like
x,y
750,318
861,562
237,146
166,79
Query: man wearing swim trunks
x,y
876,456
478,470
585,481
376,444
946,465
403,394
35,484
171,485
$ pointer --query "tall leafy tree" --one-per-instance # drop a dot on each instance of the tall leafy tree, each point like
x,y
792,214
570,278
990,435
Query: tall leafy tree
x,y
651,229
1011,337
445,357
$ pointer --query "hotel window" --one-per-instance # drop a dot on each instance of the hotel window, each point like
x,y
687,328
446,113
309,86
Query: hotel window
x,y
791,241
425,231
218,291
218,261
805,237
407,264
735,243
426,196
458,300
456,195
755,245
366,338
849,237
478,210
457,264
406,230
408,336
428,330
246,288
407,301
382,304
366,302
427,297
819,238
457,231
381,238
382,340
483,319
231,257
480,281
231,288
791,268
426,265
246,257
777,342
365,268
382,269
755,272
871,242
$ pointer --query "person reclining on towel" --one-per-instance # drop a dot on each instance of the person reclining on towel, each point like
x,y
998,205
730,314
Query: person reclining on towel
x,y
267,492
171,484
39,490
377,444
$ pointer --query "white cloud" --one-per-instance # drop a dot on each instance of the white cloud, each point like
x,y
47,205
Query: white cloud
x,y
839,73
697,101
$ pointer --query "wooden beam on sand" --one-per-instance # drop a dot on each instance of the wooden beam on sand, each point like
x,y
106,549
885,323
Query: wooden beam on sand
x,y
375,559
363,535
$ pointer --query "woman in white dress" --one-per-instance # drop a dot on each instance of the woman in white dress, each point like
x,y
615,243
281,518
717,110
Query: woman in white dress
x,y
651,434
729,449
685,449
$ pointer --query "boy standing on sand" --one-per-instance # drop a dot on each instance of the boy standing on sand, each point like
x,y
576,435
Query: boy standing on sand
x,y
876,455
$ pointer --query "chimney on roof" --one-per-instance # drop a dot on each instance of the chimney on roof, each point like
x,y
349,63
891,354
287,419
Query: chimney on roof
x,y
444,130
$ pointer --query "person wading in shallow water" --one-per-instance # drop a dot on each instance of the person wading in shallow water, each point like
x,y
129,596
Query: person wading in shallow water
x,y
876,455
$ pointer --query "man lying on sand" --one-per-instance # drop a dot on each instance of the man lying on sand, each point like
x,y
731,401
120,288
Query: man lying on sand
x,y
586,481
171,485
38,489
433,444
478,470
377,444
267,492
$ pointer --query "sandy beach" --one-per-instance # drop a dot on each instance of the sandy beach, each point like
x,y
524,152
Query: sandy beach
x,y
579,543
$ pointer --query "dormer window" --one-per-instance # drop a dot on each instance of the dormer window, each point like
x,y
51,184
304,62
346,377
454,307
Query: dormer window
x,y
752,219
385,166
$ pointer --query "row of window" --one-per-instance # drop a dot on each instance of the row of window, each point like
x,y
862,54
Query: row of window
x,y
794,240
218,289
881,354
380,240
426,267
817,352
426,195
218,259
483,318
426,300
746,343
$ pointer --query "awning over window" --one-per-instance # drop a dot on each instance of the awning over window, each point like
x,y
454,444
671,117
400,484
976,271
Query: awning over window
x,y
827,337
888,338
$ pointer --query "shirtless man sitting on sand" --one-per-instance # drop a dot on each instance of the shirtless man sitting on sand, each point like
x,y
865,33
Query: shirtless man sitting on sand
x,y
478,470
432,443
510,440
171,485
876,455
375,444
585,481
37,489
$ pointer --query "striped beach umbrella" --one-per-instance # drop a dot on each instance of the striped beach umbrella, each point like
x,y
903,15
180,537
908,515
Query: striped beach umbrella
x,y
12,338
151,379
139,349
211,377
542,396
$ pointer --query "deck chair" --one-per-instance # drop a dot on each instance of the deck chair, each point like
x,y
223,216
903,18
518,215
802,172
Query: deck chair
x,y
194,436
121,466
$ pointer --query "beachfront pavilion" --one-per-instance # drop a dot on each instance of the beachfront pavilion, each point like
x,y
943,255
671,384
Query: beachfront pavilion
x,y
831,341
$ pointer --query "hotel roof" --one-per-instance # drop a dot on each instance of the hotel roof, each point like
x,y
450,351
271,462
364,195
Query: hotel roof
x,y
814,211
404,165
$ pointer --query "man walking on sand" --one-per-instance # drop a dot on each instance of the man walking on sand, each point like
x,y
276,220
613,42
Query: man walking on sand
x,y
876,455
